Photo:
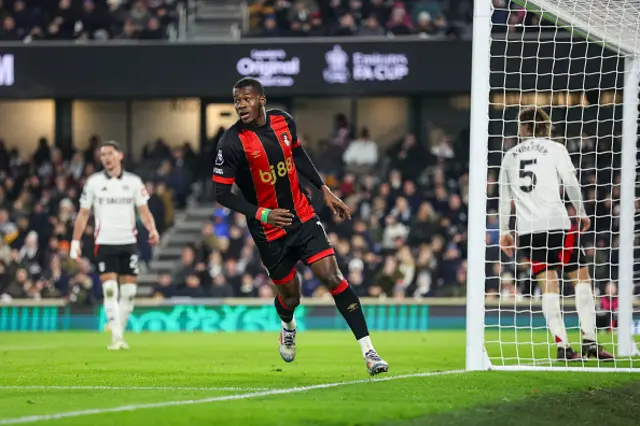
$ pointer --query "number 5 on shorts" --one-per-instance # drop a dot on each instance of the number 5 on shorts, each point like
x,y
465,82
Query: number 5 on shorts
x,y
133,263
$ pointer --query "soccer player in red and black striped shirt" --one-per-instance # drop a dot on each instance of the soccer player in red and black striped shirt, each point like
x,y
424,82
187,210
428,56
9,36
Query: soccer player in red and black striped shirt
x,y
262,155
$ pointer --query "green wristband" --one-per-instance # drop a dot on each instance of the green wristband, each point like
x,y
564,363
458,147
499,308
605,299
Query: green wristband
x,y
264,215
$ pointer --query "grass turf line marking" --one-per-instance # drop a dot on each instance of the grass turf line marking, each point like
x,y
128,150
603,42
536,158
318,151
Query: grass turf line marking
x,y
123,408
133,388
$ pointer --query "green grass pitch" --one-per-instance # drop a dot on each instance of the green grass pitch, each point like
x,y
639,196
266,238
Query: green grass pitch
x,y
239,379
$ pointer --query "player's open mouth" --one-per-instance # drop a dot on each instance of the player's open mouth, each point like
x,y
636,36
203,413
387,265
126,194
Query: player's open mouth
x,y
245,115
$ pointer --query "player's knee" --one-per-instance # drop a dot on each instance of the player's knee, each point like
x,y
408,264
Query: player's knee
x,y
292,301
333,280
110,289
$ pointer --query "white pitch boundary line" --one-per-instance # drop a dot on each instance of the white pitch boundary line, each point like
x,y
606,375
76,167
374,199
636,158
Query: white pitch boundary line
x,y
122,408
133,388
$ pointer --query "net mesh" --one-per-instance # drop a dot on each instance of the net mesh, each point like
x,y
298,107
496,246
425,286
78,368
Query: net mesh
x,y
559,63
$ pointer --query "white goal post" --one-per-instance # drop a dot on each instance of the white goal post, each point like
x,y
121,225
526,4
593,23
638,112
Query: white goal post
x,y
580,62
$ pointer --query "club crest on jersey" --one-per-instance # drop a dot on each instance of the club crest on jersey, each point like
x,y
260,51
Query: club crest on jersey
x,y
286,139
219,159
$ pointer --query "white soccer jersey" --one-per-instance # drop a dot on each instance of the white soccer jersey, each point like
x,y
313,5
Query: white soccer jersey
x,y
114,202
533,174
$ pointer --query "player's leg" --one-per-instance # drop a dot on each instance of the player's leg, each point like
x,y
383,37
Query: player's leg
x,y
540,249
313,247
281,268
586,307
348,303
128,272
108,266
128,290
286,301
550,288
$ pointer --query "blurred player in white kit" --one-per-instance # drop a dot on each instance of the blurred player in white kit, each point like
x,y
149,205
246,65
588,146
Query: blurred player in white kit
x,y
533,174
114,195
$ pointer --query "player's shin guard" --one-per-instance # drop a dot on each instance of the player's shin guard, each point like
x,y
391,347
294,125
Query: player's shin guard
x,y
586,306
553,316
127,302
111,308
348,303
285,313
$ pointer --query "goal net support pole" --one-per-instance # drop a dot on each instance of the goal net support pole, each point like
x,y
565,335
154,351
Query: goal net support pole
x,y
626,344
476,356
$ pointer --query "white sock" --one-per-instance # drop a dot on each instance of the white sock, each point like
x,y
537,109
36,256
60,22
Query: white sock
x,y
290,325
127,302
366,345
586,306
553,316
110,292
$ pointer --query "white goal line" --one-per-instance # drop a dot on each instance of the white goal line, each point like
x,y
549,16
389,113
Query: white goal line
x,y
123,408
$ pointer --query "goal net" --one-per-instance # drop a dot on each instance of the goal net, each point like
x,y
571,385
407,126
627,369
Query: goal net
x,y
577,60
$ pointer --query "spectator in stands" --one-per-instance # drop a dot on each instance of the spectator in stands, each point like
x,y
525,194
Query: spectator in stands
x,y
362,154
371,27
400,23
427,26
346,26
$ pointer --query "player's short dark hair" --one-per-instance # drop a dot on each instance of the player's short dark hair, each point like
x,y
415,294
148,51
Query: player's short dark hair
x,y
537,121
115,145
250,82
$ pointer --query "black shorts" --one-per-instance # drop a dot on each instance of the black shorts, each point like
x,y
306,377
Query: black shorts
x,y
553,250
119,259
308,243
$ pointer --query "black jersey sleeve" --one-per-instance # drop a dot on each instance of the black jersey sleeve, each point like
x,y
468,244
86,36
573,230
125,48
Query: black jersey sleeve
x,y
304,165
225,167
227,158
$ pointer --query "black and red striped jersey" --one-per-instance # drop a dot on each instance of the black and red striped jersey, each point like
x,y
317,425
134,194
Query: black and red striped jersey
x,y
260,161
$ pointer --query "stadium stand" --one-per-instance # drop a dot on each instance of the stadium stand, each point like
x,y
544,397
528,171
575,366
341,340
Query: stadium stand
x,y
426,18
87,20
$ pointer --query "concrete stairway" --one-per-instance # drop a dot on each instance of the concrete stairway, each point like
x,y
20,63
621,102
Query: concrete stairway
x,y
217,20
187,229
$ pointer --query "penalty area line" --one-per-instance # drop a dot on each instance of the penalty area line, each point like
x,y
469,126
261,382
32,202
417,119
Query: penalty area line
x,y
123,408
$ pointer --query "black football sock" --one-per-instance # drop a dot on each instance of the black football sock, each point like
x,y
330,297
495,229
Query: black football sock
x,y
284,312
348,303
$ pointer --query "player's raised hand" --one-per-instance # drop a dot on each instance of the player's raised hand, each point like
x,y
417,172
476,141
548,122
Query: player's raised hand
x,y
584,223
280,218
507,244
337,206
75,252
154,237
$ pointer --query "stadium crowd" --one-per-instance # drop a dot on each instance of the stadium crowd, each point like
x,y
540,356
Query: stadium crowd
x,y
28,21
39,198
425,18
